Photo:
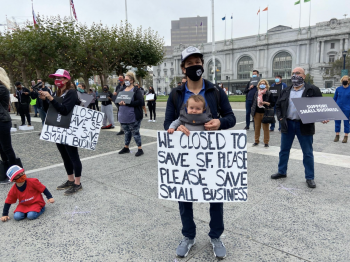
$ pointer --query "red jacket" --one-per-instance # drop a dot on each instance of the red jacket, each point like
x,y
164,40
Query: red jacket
x,y
30,200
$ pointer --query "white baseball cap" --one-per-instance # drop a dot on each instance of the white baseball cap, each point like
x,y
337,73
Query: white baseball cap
x,y
191,50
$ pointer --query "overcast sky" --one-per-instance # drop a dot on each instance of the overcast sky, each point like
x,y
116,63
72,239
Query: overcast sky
x,y
158,14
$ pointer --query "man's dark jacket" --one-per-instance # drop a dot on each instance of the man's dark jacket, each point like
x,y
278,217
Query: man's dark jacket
x,y
282,108
4,104
227,119
25,99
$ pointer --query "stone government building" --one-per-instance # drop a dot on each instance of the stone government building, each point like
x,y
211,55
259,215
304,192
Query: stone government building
x,y
277,52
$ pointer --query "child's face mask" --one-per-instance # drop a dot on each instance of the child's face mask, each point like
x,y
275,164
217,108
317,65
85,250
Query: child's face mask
x,y
21,179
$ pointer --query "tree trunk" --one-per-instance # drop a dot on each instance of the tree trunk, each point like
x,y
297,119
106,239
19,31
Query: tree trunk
x,y
86,81
102,79
24,76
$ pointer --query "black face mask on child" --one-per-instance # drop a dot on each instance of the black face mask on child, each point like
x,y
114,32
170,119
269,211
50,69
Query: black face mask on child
x,y
194,72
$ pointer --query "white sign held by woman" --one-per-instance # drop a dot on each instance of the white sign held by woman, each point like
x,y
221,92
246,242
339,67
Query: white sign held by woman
x,y
83,132
149,97
206,166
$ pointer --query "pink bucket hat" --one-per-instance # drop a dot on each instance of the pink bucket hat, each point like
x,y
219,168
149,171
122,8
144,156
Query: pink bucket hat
x,y
60,73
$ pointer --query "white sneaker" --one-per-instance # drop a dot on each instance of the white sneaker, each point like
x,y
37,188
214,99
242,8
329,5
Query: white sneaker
x,y
150,120
154,120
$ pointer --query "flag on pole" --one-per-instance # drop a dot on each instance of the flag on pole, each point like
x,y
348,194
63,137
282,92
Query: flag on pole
x,y
266,9
258,11
297,2
306,1
74,13
224,18
34,16
10,24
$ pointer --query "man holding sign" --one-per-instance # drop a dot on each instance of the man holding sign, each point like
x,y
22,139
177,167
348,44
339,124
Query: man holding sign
x,y
292,126
217,101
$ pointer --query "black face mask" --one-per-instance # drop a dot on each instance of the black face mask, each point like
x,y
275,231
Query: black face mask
x,y
345,83
194,72
105,89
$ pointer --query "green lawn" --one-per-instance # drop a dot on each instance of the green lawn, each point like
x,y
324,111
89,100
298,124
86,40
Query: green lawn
x,y
235,98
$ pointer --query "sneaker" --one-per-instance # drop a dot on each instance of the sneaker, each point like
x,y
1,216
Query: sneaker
x,y
75,188
109,126
154,121
185,247
150,120
255,144
145,115
65,185
5,182
218,248
139,152
112,127
246,128
266,145
120,133
271,130
124,150
104,127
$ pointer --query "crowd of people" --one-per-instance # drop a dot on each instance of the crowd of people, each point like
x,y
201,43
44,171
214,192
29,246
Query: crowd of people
x,y
195,104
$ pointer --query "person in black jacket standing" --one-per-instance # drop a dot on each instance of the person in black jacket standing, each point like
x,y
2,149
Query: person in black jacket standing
x,y
292,126
6,151
152,105
216,99
250,91
23,96
130,115
69,154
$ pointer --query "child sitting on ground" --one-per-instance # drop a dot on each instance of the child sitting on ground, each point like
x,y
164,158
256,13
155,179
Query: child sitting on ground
x,y
195,117
28,192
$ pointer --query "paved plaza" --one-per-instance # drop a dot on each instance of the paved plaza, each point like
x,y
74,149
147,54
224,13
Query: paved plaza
x,y
118,216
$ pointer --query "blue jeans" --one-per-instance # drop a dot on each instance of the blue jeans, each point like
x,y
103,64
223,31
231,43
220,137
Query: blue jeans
x,y
346,123
306,146
35,109
30,215
216,219
272,127
42,115
248,108
134,130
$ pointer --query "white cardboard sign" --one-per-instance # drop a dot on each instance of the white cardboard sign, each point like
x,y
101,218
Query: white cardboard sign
x,y
149,97
83,131
207,166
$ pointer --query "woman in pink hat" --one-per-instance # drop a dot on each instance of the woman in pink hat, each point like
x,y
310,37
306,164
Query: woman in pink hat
x,y
69,154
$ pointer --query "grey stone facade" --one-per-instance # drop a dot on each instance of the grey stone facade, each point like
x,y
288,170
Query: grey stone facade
x,y
282,49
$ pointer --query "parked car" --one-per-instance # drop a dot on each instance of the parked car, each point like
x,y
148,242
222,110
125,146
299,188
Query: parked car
x,y
323,90
239,92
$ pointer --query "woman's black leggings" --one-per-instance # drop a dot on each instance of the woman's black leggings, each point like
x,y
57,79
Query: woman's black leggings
x,y
71,159
6,150
152,109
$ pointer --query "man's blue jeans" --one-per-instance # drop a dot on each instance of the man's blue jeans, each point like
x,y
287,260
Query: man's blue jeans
x,y
306,146
272,127
30,215
248,107
42,115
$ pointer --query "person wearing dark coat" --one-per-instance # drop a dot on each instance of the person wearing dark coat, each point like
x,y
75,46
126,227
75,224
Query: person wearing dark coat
x,y
263,99
292,126
7,153
23,96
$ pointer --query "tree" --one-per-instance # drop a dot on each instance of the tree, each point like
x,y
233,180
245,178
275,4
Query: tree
x,y
337,65
148,79
174,82
309,79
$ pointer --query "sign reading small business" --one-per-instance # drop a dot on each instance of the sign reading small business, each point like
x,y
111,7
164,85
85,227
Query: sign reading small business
x,y
124,96
317,109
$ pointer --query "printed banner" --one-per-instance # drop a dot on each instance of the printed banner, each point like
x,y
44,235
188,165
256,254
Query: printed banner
x,y
103,97
318,109
83,132
206,166
124,96
149,97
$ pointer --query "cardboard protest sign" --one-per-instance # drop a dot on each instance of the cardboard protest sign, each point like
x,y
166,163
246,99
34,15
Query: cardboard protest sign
x,y
207,166
124,96
13,99
317,109
103,97
85,99
83,132
149,97
54,118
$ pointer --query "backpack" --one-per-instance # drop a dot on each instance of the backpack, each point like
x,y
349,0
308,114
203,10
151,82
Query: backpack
x,y
217,98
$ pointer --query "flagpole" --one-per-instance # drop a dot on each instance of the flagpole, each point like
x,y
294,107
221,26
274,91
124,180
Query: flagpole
x,y
231,26
267,29
213,39
126,10
259,22
299,15
225,28
310,16
70,9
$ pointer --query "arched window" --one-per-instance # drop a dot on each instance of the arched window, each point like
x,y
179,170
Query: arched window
x,y
218,70
245,67
282,65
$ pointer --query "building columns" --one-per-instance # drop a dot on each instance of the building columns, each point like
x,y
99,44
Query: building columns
x,y
346,44
317,52
322,52
266,63
257,59
298,55
308,54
